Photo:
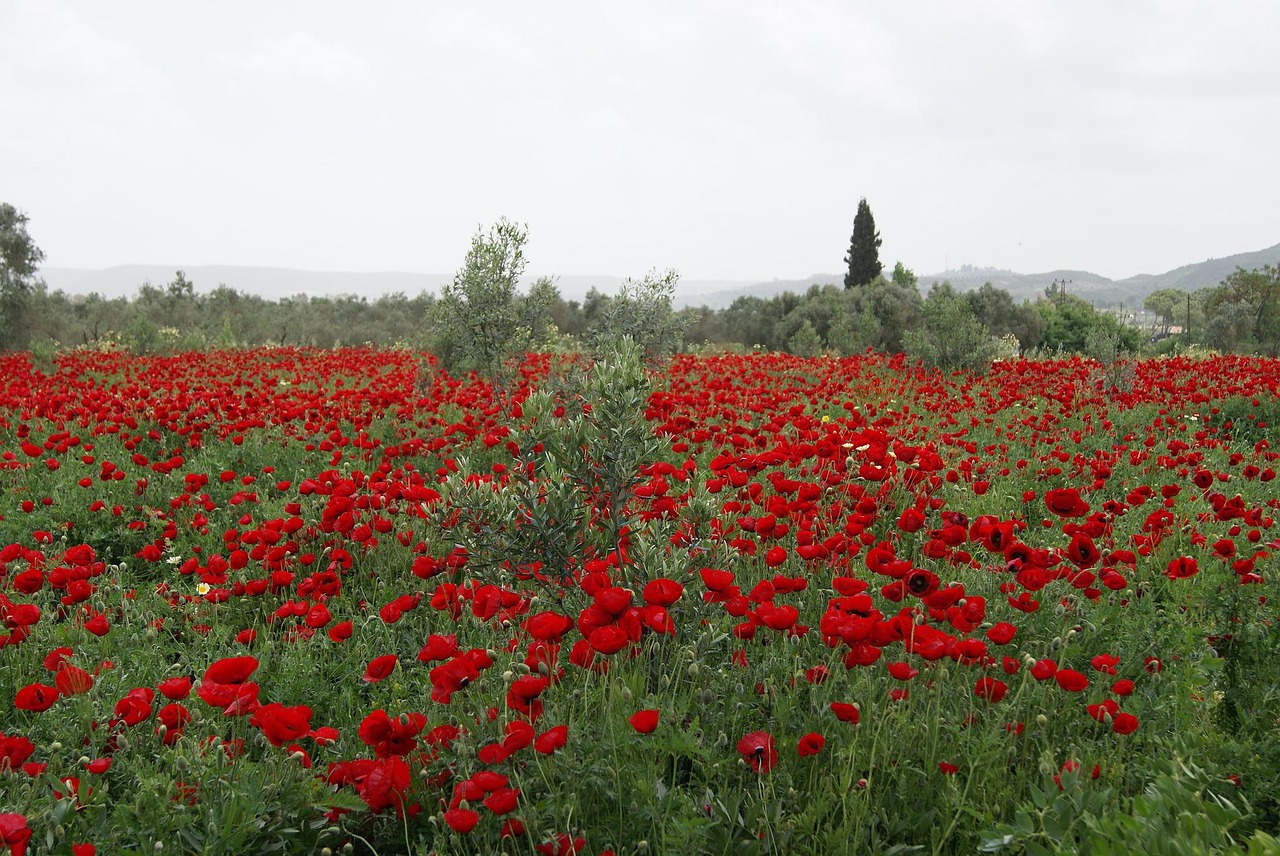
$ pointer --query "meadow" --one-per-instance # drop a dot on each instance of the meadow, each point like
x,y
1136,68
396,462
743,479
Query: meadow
x,y
338,601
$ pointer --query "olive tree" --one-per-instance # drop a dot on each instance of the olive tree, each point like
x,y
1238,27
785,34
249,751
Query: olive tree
x,y
482,322
19,260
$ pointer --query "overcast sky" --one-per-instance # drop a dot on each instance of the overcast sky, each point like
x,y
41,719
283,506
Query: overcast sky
x,y
729,140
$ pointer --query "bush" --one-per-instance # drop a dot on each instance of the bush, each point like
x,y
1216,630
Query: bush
x,y
951,337
641,310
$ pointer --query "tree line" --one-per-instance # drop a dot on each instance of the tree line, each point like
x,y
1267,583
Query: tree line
x,y
942,327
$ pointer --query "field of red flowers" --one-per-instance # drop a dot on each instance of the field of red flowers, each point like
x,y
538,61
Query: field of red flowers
x,y
328,601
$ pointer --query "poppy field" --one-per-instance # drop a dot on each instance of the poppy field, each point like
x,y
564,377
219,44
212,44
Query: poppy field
x,y
337,601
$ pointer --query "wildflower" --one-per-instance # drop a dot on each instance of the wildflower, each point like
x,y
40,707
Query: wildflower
x,y
380,667
1181,568
281,724
811,744
14,833
388,736
1071,680
1124,723
461,820
644,721
992,689
758,750
549,741
36,698
1066,502
845,712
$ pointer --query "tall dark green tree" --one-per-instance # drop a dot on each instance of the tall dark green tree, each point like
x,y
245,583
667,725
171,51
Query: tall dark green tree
x,y
864,248
19,259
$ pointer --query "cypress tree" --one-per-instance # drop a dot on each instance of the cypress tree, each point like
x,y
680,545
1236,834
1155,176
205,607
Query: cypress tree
x,y
864,249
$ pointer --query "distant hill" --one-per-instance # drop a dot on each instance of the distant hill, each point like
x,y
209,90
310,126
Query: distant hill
x,y
1203,274
1097,289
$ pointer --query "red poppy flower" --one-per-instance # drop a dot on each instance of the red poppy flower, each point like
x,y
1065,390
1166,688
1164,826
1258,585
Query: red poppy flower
x,y
1066,502
662,592
341,632
1181,568
14,750
902,671
502,800
461,820
549,741
1103,710
845,712
1044,669
14,833
281,724
548,626
234,699
609,639
613,600
1082,552
231,670
644,721
522,696
438,647
172,718
810,744
992,689
317,616
135,706
519,735
72,680
817,674
175,688
775,556
1002,633
385,785
1105,663
758,750
379,668
226,685
562,845
36,698
55,658
715,579
389,736
1124,723
451,676
1071,680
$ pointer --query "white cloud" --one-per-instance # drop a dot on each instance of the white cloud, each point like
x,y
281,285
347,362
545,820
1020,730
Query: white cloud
x,y
301,58
62,78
